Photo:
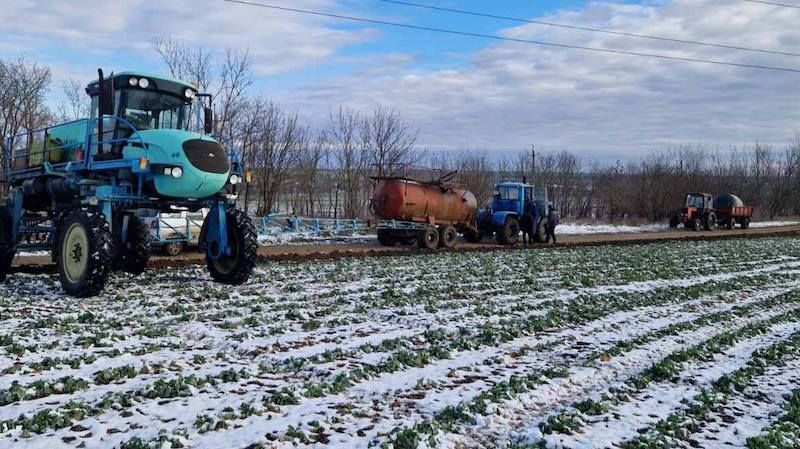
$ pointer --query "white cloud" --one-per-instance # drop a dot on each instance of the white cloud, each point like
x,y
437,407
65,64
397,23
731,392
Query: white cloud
x,y
510,95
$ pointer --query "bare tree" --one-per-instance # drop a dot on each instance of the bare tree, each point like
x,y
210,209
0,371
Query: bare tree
x,y
388,142
76,104
347,147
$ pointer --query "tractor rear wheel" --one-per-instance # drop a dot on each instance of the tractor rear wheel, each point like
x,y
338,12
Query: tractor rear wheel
x,y
711,222
428,238
540,236
7,249
385,237
133,253
447,236
84,252
508,234
236,268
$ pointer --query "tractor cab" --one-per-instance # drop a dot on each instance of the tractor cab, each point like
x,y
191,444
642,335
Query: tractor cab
x,y
698,201
510,201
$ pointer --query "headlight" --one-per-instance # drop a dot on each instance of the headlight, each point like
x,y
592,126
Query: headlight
x,y
143,83
189,93
235,179
133,81
177,172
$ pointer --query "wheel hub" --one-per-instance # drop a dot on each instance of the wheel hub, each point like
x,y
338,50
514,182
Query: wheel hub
x,y
76,254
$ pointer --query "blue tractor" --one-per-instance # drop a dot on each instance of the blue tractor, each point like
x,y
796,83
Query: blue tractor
x,y
75,189
510,201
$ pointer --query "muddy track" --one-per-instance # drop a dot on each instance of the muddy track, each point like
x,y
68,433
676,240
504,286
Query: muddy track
x,y
41,264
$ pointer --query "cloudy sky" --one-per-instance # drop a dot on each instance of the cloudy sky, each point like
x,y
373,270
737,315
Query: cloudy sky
x,y
465,91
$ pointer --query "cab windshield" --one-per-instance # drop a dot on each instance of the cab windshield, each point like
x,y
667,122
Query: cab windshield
x,y
694,201
148,109
508,193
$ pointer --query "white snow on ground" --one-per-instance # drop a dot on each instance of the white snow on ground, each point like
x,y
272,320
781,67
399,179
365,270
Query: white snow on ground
x,y
586,229
430,332
772,224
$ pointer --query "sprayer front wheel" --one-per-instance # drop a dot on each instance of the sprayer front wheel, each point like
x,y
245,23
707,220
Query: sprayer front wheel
x,y
85,252
235,268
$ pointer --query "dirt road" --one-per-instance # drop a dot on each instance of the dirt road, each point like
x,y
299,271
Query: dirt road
x,y
326,251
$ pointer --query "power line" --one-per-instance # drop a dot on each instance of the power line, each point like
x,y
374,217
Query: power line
x,y
583,28
785,5
511,39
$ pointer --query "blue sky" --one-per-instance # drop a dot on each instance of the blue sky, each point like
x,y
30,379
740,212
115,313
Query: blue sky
x,y
462,92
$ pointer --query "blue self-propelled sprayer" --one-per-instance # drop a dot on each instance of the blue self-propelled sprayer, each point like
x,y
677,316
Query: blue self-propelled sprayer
x,y
75,189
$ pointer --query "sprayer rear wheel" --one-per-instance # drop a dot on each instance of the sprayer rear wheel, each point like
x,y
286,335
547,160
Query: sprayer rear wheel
x,y
134,253
236,268
85,252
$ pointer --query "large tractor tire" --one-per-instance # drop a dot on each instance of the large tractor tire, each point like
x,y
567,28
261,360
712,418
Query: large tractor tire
x,y
711,222
386,238
540,236
133,253
508,234
84,252
7,249
447,236
236,268
428,238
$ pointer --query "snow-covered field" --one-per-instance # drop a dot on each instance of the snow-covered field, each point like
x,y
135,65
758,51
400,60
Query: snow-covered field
x,y
629,346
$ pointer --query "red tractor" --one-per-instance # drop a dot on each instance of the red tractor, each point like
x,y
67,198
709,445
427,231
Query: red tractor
x,y
703,211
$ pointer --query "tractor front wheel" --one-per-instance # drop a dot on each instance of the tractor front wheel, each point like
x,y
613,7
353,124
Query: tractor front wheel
x,y
236,267
711,222
697,224
508,234
6,245
674,221
84,252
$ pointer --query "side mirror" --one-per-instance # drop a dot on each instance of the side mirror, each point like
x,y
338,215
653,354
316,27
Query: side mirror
x,y
208,120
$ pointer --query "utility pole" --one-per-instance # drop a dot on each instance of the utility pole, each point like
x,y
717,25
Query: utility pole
x,y
533,164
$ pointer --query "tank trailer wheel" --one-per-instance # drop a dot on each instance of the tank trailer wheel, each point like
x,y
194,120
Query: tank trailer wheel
x,y
509,233
731,223
85,252
133,254
745,223
6,246
447,236
385,237
711,222
236,268
172,249
428,238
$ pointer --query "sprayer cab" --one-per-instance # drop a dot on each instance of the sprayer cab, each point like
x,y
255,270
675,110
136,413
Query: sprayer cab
x,y
147,118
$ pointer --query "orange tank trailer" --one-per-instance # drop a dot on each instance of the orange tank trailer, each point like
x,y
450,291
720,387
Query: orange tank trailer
x,y
426,208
